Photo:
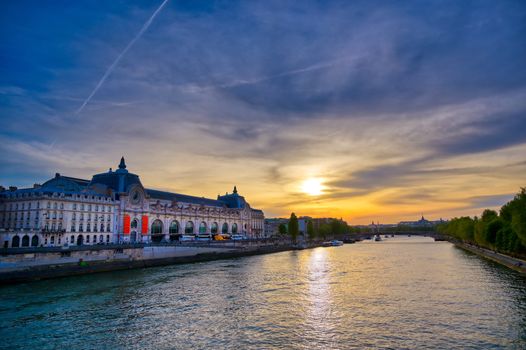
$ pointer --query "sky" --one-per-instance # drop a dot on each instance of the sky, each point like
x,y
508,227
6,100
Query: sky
x,y
364,110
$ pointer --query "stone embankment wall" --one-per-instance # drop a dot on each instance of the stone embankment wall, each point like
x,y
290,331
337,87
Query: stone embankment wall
x,y
15,268
506,260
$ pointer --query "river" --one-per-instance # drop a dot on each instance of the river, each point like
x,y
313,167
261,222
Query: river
x,y
401,293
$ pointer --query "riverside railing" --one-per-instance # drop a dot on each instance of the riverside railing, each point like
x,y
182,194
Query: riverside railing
x,y
257,242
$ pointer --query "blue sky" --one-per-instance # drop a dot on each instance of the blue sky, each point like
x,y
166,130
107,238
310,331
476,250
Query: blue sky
x,y
396,108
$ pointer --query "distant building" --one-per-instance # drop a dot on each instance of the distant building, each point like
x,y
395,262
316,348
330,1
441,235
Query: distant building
x,y
114,207
423,222
272,226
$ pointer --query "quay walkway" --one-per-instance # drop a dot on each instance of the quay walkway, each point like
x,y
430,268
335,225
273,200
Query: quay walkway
x,y
26,264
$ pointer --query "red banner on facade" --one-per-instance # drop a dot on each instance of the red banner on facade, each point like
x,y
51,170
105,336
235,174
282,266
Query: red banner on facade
x,y
144,224
126,225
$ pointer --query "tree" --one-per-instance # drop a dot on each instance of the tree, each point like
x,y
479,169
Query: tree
x,y
282,229
310,230
481,227
293,227
492,229
518,220
504,231
324,230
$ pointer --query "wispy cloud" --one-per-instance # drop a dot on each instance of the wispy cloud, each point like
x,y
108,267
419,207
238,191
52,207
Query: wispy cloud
x,y
120,56
399,108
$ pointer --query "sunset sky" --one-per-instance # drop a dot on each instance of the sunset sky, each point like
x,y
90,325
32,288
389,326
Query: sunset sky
x,y
366,110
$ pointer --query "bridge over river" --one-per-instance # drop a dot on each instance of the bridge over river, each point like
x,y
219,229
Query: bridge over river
x,y
436,235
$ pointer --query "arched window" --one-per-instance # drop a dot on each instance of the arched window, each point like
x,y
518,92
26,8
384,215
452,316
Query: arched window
x,y
25,241
52,240
15,243
134,224
234,229
189,228
157,227
213,228
202,227
174,227
34,241
225,228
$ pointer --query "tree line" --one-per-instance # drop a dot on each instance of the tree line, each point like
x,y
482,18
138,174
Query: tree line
x,y
316,229
503,231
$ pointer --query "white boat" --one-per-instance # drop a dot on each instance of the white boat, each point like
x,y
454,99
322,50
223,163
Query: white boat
x,y
377,238
336,243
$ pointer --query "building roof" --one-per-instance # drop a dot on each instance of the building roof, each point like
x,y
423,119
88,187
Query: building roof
x,y
119,181
59,184
184,198
233,200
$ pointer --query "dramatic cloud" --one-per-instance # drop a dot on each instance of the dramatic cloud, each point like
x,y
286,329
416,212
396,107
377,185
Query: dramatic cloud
x,y
398,107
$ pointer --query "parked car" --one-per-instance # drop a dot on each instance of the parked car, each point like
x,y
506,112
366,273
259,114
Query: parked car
x,y
238,237
203,237
187,238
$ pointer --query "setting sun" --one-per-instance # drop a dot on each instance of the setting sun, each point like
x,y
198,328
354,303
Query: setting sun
x,y
312,187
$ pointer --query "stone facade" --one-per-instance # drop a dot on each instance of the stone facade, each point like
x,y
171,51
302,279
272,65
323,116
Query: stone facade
x,y
114,207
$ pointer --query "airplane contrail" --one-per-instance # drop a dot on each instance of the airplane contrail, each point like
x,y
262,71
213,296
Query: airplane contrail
x,y
114,64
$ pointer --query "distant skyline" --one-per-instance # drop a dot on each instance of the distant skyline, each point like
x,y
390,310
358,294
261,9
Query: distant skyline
x,y
365,110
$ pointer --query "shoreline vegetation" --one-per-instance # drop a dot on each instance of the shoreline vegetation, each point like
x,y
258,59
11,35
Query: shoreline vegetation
x,y
503,232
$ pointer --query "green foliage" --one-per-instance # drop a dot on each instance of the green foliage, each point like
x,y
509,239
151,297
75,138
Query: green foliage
x,y
294,229
282,229
481,227
504,231
334,228
324,230
492,229
310,230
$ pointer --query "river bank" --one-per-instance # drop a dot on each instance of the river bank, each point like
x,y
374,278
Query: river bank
x,y
508,261
31,266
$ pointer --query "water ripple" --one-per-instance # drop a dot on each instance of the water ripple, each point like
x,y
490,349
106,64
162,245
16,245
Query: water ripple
x,y
400,294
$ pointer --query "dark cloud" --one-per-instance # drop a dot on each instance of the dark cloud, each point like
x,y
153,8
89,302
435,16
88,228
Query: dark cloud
x,y
280,85
497,131
490,201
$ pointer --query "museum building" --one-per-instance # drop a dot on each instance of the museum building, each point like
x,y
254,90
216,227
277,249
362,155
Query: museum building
x,y
114,207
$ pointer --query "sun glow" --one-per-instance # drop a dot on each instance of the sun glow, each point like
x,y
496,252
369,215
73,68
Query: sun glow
x,y
313,187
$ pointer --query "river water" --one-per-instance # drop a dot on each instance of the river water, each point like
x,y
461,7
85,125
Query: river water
x,y
401,293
